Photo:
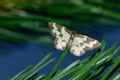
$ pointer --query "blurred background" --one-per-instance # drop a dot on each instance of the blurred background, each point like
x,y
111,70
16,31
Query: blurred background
x,y
24,31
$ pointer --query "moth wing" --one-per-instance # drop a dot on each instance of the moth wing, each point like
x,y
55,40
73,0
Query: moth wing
x,y
82,43
61,34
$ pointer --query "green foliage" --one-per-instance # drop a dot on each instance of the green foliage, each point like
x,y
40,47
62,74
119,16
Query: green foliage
x,y
92,68
34,15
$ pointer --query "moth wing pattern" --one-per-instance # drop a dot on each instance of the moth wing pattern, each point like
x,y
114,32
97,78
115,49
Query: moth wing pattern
x,y
61,34
77,43
82,43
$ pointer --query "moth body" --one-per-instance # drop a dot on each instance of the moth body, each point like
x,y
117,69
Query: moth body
x,y
78,44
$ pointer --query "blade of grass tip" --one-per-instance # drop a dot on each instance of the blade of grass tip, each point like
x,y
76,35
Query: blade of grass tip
x,y
43,60
58,63
109,51
109,57
43,78
95,73
112,69
36,66
66,71
102,47
14,78
40,77
69,67
70,71
82,65
114,52
115,76
59,71
84,72
85,60
103,60
108,54
41,67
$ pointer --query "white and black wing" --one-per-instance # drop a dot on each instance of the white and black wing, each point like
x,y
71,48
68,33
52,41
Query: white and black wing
x,y
61,34
77,43
82,43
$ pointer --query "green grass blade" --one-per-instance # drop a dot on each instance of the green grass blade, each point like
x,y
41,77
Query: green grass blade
x,y
41,67
95,73
112,69
35,67
58,63
40,77
115,76
20,73
68,70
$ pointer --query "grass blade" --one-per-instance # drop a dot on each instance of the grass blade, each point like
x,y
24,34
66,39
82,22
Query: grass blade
x,y
57,64
26,69
69,69
112,69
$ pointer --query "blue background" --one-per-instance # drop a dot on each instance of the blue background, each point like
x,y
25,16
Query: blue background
x,y
14,57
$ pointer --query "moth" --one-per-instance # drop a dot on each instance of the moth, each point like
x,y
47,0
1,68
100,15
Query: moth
x,y
78,44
